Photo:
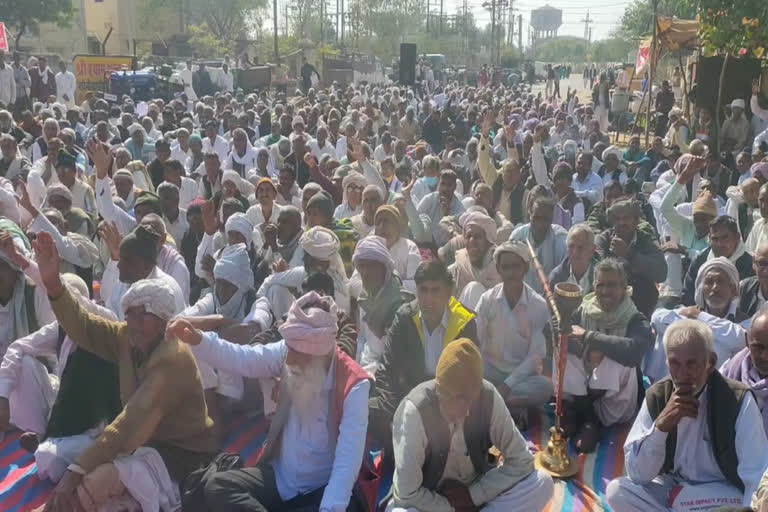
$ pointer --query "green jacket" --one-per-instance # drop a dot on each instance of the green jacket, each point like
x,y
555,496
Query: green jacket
x,y
402,365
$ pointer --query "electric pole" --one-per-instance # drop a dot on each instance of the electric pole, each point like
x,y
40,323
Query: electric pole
x,y
652,63
520,32
342,21
274,16
440,26
428,16
587,22
493,27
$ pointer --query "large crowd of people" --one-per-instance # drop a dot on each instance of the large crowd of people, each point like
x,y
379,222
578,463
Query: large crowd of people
x,y
361,265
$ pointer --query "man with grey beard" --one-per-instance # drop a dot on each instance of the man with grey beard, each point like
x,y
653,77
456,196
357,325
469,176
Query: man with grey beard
x,y
323,394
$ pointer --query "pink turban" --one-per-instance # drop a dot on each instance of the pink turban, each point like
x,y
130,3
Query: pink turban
x,y
312,331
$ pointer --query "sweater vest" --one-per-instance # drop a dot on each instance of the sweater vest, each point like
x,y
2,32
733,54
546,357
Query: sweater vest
x,y
477,427
723,406
348,375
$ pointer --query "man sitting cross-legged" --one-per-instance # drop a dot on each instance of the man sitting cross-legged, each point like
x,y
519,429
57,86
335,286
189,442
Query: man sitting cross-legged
x,y
511,320
698,435
443,430
314,448
163,431
608,341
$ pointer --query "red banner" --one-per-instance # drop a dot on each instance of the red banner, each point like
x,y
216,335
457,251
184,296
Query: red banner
x,y
3,38
643,55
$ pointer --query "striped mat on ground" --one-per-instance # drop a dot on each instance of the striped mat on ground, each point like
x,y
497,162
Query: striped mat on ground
x,y
21,490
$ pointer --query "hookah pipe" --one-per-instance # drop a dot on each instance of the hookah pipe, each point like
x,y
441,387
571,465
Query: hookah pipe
x,y
563,303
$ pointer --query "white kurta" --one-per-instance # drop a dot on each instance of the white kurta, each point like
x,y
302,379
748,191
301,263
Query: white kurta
x,y
694,464
66,86
729,339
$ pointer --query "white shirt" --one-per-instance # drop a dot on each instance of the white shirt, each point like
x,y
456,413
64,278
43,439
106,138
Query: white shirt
x,y
757,236
227,82
695,462
186,79
407,258
318,151
220,146
112,289
178,228
729,339
179,154
512,339
591,188
7,85
306,460
433,343
65,84
256,216
380,153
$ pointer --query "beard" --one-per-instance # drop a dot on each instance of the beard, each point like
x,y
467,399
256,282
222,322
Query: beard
x,y
304,385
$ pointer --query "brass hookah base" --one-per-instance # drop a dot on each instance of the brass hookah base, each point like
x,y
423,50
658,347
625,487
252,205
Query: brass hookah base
x,y
554,459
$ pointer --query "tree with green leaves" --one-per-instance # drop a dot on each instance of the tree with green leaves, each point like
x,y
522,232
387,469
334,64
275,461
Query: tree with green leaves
x,y
637,21
22,16
730,28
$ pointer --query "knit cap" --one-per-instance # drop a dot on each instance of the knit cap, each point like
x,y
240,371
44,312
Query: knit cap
x,y
460,368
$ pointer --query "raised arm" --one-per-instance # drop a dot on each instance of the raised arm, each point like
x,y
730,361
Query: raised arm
x,y
86,330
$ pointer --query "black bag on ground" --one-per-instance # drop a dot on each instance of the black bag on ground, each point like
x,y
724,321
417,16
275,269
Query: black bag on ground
x,y
192,498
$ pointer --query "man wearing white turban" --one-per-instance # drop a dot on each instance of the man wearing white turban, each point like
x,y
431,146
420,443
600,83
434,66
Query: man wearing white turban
x,y
159,384
474,271
352,203
380,296
238,230
228,304
304,462
321,253
717,305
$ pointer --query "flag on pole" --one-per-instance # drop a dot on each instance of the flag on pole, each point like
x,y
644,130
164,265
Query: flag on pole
x,y
3,38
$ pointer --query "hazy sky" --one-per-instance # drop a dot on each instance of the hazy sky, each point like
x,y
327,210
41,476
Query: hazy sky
x,y
606,14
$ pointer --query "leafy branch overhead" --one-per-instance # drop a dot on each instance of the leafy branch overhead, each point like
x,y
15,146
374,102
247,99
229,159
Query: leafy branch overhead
x,y
25,16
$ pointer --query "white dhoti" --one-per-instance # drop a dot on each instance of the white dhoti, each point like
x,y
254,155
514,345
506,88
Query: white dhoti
x,y
56,453
669,494
471,293
33,397
533,492
146,479
619,403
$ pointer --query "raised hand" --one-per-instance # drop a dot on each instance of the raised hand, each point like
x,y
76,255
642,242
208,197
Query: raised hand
x,y
184,331
406,190
692,168
111,236
210,221
47,258
25,200
102,160
487,124
310,160
9,248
